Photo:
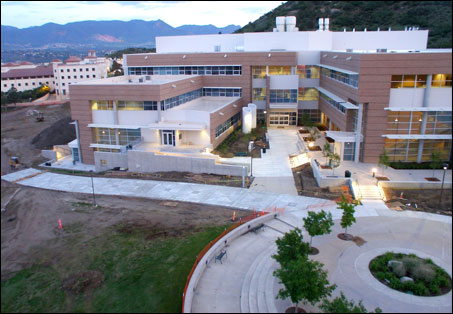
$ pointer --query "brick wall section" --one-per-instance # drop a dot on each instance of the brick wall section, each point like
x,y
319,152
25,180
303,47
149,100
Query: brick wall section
x,y
375,71
216,119
81,95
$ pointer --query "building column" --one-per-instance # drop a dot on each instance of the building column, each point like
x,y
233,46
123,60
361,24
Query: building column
x,y
425,116
358,132
79,147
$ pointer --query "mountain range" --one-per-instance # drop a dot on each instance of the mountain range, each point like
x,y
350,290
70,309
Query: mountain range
x,y
99,34
432,15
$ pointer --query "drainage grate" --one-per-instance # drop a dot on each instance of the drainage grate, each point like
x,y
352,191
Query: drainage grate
x,y
292,204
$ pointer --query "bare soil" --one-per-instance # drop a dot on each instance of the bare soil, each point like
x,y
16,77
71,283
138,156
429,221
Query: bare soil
x,y
306,184
421,200
35,224
18,130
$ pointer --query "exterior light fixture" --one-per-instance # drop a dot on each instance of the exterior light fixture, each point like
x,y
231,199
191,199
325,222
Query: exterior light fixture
x,y
396,120
225,56
374,170
269,55
235,106
311,144
221,113
184,56
334,57
420,120
264,111
146,57
192,81
348,58
173,85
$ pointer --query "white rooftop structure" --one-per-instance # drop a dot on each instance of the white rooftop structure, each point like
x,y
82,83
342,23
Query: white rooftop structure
x,y
137,80
206,103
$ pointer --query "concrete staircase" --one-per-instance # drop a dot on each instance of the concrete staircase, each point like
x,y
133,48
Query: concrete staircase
x,y
370,192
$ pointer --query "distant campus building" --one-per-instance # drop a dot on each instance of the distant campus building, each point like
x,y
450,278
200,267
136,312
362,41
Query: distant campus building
x,y
373,90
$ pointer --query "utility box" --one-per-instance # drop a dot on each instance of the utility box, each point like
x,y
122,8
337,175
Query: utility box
x,y
347,174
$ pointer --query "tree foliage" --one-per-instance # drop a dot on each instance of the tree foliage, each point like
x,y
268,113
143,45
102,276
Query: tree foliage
x,y
384,160
291,247
343,305
436,161
334,161
347,219
326,150
318,224
304,280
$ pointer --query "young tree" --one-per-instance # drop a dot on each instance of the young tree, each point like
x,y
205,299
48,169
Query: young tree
x,y
318,224
326,150
291,247
13,96
314,133
334,161
306,120
304,281
384,161
343,305
348,213
436,161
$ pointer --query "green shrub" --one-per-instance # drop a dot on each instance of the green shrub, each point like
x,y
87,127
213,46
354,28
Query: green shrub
x,y
420,289
396,284
411,263
380,275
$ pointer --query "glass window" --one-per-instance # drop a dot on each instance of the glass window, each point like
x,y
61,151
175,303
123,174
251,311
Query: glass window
x,y
259,94
279,70
308,71
222,128
441,80
308,94
259,71
349,79
101,105
130,105
150,105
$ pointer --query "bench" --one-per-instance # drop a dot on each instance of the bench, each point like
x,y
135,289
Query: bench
x,y
257,228
220,256
241,154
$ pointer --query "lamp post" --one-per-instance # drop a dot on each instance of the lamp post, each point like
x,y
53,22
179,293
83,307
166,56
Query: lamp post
x,y
445,166
92,186
374,172
251,147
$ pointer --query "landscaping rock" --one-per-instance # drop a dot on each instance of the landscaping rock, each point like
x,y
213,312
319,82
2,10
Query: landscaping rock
x,y
406,279
393,263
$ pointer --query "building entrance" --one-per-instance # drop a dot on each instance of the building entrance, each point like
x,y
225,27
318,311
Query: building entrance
x,y
278,119
168,137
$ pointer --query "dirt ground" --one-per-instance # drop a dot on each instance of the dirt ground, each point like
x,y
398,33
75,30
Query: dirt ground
x,y
31,220
306,184
421,200
18,131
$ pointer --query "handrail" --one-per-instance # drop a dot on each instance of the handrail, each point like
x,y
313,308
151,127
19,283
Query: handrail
x,y
211,243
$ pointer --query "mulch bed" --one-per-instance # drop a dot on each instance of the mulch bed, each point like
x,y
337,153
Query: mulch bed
x,y
382,179
330,140
313,251
304,131
326,167
345,236
432,179
292,309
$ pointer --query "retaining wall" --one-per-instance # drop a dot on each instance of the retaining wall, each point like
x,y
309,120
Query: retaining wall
x,y
105,161
324,181
49,154
215,250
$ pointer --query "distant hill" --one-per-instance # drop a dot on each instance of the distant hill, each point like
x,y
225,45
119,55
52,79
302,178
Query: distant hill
x,y
99,34
120,53
432,15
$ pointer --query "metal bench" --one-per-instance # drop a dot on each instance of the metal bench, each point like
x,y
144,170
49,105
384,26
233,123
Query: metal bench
x,y
241,154
220,256
257,228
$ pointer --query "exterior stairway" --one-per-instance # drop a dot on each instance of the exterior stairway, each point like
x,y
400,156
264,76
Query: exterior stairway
x,y
370,192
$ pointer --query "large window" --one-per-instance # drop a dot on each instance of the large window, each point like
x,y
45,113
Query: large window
x,y
441,146
108,136
222,128
438,122
259,71
258,94
349,79
283,95
279,70
409,81
401,149
441,80
308,94
181,99
130,105
404,122
187,70
333,103
349,151
308,71
222,92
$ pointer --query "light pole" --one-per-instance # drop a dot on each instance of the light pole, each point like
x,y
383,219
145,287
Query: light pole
x,y
92,186
445,166
251,147
374,172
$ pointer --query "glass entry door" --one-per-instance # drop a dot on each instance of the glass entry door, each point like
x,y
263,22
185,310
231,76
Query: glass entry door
x,y
168,137
279,119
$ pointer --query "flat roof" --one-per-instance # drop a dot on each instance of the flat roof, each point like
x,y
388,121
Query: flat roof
x,y
337,69
418,108
135,80
207,103
374,51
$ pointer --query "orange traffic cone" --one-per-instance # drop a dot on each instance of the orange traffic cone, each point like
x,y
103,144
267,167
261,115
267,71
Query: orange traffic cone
x,y
401,195
234,217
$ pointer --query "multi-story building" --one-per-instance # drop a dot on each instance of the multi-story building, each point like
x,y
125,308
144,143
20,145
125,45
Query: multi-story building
x,y
371,89
26,76
77,70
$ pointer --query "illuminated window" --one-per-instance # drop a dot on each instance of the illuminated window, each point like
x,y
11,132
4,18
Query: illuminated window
x,y
306,94
441,80
308,71
259,71
279,70
259,94
101,105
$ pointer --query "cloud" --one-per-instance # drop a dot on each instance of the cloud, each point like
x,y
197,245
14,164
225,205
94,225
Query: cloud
x,y
175,13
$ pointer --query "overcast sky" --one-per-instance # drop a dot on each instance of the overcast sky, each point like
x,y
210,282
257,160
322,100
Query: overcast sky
x,y
175,13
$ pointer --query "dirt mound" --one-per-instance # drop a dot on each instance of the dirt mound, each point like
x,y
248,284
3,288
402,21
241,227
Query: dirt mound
x,y
59,133
82,281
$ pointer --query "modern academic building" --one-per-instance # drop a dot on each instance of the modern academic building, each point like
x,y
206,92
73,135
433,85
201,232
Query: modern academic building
x,y
373,90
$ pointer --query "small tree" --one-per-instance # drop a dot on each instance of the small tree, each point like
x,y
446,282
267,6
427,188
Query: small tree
x,y
436,161
314,133
291,247
348,213
304,280
334,161
326,150
384,161
343,305
12,96
306,120
318,224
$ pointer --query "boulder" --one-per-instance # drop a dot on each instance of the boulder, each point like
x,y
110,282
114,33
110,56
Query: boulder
x,y
393,262
406,279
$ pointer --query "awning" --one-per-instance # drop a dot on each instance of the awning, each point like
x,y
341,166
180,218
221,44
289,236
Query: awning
x,y
74,144
344,103
337,69
115,126
417,109
343,137
107,146
418,136
177,125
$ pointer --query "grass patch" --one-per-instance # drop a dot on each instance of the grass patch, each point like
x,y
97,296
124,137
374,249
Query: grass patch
x,y
428,278
139,274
